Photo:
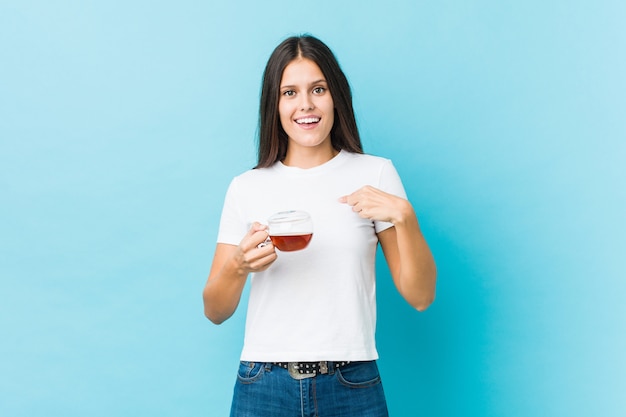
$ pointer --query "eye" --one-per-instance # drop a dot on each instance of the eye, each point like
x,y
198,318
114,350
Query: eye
x,y
289,93
319,90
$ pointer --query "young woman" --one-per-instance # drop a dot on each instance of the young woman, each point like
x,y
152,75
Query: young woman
x,y
309,345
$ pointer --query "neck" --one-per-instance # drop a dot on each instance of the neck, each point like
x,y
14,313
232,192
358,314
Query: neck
x,y
308,157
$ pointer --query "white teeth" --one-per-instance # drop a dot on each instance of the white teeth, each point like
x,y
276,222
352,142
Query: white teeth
x,y
308,120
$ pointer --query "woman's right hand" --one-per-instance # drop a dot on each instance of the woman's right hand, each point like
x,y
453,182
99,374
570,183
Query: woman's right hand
x,y
251,255
230,269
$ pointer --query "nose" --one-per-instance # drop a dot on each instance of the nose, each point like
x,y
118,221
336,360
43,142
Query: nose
x,y
306,103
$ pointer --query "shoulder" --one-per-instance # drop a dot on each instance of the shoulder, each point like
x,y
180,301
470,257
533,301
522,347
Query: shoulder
x,y
367,160
378,171
255,174
250,183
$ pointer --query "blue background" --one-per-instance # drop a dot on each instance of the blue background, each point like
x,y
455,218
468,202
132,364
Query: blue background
x,y
121,124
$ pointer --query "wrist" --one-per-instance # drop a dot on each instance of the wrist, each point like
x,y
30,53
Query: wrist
x,y
404,213
237,265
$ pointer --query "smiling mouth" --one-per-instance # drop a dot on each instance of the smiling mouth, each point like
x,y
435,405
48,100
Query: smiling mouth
x,y
308,120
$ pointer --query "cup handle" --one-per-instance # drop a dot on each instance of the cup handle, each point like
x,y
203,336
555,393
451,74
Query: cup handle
x,y
266,242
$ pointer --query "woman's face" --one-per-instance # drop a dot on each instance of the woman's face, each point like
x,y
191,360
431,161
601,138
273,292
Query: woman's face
x,y
305,105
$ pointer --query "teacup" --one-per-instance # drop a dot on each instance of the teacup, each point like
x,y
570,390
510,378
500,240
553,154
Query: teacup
x,y
290,230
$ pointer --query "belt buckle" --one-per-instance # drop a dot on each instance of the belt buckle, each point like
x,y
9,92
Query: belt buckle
x,y
292,367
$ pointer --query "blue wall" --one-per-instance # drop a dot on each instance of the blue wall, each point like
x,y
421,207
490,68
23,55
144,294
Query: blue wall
x,y
121,124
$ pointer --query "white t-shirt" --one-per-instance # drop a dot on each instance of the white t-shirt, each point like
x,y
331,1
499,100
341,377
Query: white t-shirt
x,y
318,303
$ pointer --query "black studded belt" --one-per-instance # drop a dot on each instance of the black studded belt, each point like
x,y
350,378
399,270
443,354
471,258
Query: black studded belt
x,y
301,370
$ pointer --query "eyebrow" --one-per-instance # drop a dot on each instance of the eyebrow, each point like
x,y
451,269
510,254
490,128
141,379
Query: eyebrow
x,y
320,81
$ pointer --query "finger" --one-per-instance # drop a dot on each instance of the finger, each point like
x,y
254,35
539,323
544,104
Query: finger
x,y
266,242
262,261
267,261
349,199
253,254
356,196
254,237
259,237
256,227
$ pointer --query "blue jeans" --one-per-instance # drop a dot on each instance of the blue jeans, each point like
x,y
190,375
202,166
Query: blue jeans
x,y
266,390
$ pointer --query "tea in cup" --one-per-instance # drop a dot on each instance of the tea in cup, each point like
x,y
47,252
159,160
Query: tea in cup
x,y
290,230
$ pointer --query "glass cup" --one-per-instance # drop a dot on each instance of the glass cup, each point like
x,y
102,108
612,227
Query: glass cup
x,y
290,230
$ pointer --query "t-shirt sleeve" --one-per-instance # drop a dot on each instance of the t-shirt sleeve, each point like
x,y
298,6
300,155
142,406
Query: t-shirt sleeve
x,y
391,183
232,223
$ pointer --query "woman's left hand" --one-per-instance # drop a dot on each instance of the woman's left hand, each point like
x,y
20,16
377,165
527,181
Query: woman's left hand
x,y
371,203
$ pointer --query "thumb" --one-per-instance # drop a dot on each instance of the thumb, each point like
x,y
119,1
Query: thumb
x,y
256,227
253,237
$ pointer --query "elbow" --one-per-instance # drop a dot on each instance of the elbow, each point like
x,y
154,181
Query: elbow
x,y
422,299
212,318
422,304
211,310
427,294
215,317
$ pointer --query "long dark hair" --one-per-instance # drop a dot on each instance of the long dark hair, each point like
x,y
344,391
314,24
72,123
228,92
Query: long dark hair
x,y
272,138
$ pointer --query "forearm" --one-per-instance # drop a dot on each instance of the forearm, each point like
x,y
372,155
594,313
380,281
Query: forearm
x,y
223,290
414,270
229,272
